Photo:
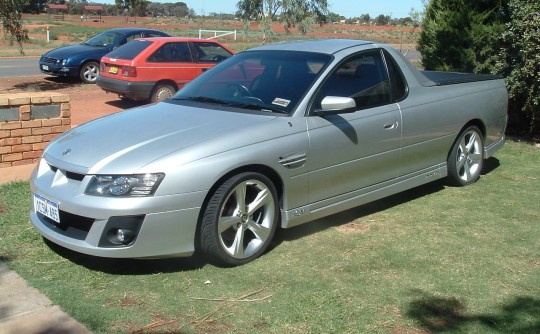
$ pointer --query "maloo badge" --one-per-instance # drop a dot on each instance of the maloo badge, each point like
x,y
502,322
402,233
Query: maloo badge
x,y
66,151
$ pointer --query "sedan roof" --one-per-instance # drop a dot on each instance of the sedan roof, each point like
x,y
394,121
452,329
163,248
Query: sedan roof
x,y
329,46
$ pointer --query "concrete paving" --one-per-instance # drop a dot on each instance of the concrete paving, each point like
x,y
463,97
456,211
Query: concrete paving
x,y
24,309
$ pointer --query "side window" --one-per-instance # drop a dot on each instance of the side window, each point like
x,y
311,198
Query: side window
x,y
128,39
362,77
177,52
208,52
397,81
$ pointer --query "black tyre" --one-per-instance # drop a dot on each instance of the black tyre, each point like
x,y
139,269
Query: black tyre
x,y
466,158
162,92
89,72
240,220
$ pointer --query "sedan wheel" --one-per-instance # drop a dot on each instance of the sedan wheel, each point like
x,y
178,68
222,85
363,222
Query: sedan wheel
x,y
162,92
240,219
89,72
466,159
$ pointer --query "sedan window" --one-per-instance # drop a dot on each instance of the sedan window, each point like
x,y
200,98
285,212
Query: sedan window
x,y
104,39
130,50
177,52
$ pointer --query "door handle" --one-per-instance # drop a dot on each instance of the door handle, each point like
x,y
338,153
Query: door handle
x,y
391,126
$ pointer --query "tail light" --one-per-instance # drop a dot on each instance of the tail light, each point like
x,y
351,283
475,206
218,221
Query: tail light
x,y
129,71
102,67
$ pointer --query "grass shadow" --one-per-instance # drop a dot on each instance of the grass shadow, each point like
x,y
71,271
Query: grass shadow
x,y
358,212
117,266
448,314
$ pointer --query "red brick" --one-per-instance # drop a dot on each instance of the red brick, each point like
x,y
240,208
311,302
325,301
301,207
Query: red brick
x,y
21,148
48,138
66,121
42,131
5,149
26,117
22,162
10,141
5,133
31,124
21,132
25,109
10,125
51,122
65,113
39,146
32,154
61,128
5,164
11,157
32,139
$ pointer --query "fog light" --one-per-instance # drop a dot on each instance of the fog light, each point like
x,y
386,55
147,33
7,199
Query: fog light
x,y
124,236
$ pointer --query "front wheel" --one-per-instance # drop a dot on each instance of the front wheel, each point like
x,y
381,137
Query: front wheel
x,y
89,72
240,219
466,158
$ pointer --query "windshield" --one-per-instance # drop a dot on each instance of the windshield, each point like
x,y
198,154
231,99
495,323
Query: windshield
x,y
273,81
104,39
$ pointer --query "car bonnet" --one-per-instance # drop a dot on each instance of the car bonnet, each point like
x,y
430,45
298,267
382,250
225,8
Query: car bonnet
x,y
127,141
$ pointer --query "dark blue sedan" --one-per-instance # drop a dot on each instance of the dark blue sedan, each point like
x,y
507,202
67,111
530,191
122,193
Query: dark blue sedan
x,y
82,60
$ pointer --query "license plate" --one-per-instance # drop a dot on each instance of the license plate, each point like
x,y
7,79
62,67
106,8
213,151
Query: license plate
x,y
45,67
113,69
46,207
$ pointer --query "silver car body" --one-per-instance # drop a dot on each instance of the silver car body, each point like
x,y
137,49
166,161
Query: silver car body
x,y
320,165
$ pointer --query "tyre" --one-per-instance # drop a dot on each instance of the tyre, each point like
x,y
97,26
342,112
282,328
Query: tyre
x,y
89,72
240,220
162,92
466,158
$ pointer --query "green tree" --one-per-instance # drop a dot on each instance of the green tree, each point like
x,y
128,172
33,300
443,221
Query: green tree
x,y
461,35
519,60
133,7
10,15
300,14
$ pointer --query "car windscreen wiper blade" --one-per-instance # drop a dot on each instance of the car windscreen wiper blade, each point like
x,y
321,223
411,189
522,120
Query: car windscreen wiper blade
x,y
262,107
204,99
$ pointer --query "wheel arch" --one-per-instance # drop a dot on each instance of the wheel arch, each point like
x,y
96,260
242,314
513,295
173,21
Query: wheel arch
x,y
473,122
270,173
165,82
86,61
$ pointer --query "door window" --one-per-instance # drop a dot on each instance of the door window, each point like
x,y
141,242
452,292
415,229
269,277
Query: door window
x,y
176,52
208,52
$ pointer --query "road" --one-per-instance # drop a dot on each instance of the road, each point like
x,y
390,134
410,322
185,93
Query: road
x,y
19,67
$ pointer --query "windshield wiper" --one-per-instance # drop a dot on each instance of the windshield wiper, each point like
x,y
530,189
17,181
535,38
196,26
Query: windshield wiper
x,y
205,99
261,107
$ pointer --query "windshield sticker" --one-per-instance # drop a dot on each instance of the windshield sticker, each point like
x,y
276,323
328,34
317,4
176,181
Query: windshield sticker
x,y
281,102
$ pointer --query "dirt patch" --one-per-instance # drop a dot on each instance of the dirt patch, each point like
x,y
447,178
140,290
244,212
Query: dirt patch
x,y
88,101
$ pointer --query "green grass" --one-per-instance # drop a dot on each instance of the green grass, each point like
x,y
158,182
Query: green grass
x,y
432,259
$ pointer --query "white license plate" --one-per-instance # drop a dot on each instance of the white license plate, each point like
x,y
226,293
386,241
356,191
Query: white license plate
x,y
46,207
45,67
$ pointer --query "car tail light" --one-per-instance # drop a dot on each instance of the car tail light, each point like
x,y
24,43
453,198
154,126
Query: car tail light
x,y
129,71
102,67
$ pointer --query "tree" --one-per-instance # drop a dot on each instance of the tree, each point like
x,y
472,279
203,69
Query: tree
x,y
519,60
461,35
10,14
292,13
133,7
382,20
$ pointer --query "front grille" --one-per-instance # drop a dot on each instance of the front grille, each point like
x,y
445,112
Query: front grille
x,y
71,225
69,175
49,60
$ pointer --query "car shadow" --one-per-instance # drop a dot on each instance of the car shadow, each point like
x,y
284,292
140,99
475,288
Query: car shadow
x,y
117,266
126,103
439,314
490,165
48,83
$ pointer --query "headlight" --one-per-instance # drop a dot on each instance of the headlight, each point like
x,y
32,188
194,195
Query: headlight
x,y
124,185
62,62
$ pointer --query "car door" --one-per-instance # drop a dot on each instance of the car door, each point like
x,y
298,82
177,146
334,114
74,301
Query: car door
x,y
207,54
353,153
172,61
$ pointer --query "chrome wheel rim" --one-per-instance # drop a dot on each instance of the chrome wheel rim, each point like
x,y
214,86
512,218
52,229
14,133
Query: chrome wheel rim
x,y
90,73
246,218
469,156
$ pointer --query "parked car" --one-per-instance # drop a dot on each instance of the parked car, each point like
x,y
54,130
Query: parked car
x,y
275,136
81,61
155,68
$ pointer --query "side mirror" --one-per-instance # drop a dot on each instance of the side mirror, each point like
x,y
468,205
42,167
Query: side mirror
x,y
334,105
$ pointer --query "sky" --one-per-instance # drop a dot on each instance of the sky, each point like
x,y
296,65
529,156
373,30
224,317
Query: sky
x,y
346,8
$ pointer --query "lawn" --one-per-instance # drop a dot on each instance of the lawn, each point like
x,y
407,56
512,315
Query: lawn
x,y
433,259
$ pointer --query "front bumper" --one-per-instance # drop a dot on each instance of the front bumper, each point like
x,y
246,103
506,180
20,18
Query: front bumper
x,y
165,225
128,89
61,71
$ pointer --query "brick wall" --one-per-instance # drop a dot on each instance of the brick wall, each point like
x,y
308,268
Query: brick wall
x,y
28,122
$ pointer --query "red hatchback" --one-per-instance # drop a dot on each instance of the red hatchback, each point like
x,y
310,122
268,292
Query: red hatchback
x,y
155,68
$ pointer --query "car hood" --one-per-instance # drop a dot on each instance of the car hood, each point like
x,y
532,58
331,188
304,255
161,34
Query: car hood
x,y
79,50
127,141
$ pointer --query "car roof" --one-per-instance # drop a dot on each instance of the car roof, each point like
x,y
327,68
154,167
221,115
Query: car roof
x,y
176,39
135,29
328,46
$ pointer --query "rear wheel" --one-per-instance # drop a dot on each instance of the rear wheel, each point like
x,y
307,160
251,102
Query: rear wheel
x,y
240,219
89,72
466,158
162,92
